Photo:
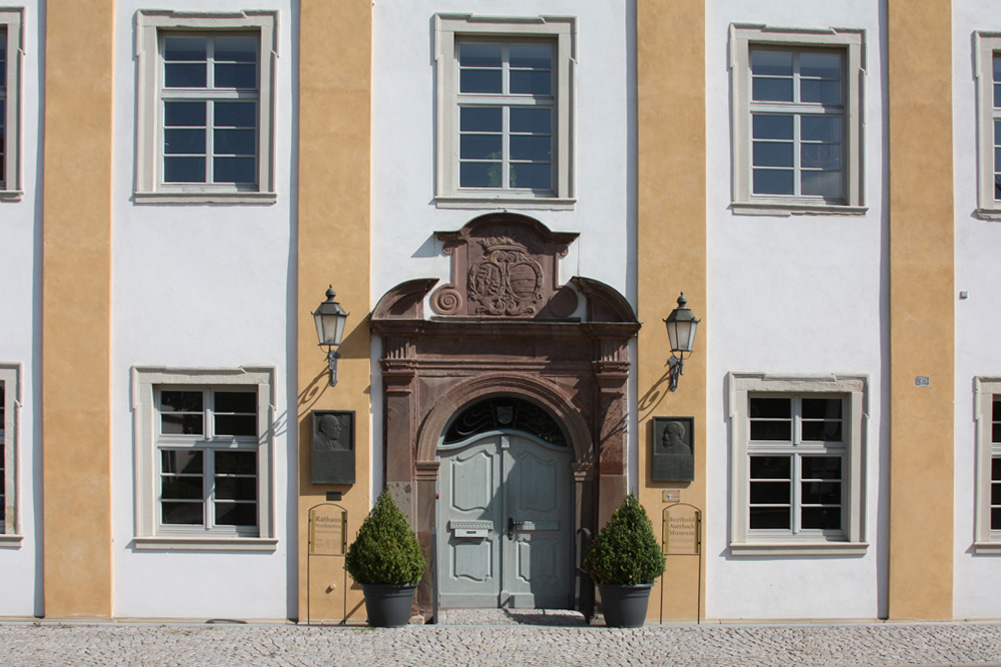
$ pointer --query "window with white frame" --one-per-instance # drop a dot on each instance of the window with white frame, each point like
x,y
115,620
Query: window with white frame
x,y
10,73
9,393
797,123
204,458
504,117
987,57
206,97
987,391
796,447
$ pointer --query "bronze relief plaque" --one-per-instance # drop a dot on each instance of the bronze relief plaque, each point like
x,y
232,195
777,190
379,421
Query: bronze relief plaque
x,y
332,447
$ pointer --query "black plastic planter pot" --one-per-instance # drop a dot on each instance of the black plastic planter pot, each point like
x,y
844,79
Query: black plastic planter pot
x,y
625,606
388,605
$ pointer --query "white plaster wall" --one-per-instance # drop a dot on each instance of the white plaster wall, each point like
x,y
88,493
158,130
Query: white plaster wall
x,y
203,286
20,332
404,216
978,318
794,295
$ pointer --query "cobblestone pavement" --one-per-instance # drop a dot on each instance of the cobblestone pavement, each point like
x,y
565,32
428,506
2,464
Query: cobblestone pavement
x,y
498,638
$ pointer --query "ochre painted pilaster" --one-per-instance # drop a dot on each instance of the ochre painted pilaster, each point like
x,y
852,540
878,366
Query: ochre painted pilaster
x,y
922,298
671,254
76,308
334,240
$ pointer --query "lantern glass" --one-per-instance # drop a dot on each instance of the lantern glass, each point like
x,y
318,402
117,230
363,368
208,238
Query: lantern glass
x,y
329,327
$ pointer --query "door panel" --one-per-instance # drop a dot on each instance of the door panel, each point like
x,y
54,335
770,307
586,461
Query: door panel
x,y
505,524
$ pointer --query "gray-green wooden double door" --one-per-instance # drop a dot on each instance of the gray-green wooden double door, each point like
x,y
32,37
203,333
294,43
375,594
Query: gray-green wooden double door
x,y
505,523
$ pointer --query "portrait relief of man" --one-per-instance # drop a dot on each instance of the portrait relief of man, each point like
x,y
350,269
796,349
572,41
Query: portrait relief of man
x,y
327,436
673,440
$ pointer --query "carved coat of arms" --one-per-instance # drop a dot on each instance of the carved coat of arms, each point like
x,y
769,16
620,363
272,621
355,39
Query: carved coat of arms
x,y
505,280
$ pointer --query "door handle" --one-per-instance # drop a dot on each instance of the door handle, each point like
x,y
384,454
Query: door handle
x,y
512,525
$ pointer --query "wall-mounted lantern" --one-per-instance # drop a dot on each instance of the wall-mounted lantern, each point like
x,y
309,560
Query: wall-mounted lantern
x,y
681,328
330,319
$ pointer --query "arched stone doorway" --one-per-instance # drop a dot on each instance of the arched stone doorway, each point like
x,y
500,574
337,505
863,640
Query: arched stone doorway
x,y
503,325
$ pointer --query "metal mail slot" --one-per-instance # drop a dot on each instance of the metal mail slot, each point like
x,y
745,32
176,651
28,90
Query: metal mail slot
x,y
470,532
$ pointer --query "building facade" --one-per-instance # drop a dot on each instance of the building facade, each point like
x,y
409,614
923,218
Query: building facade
x,y
507,201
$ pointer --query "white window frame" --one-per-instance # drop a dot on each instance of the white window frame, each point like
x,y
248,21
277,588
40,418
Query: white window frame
x,y
12,23
10,381
985,46
452,28
150,27
744,38
854,390
148,533
985,389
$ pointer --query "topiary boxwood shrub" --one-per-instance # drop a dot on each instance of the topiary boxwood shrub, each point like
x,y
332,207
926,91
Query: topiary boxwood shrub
x,y
625,552
385,551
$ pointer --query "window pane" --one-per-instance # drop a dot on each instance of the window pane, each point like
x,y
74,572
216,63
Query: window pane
x,y
821,156
182,513
535,148
821,128
233,75
184,48
773,182
771,63
236,425
236,514
3,60
824,92
236,488
822,431
820,65
180,424
997,68
472,54
996,518
771,430
480,81
534,176
825,184
184,461
235,142
184,170
770,407
530,82
776,90
532,121
184,75
770,493
997,95
532,56
996,494
235,170
821,493
236,49
184,114
770,518
180,401
821,467
770,467
236,463
480,174
235,114
996,469
184,141
480,146
767,126
480,119
821,518
821,408
181,487
236,401
773,154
